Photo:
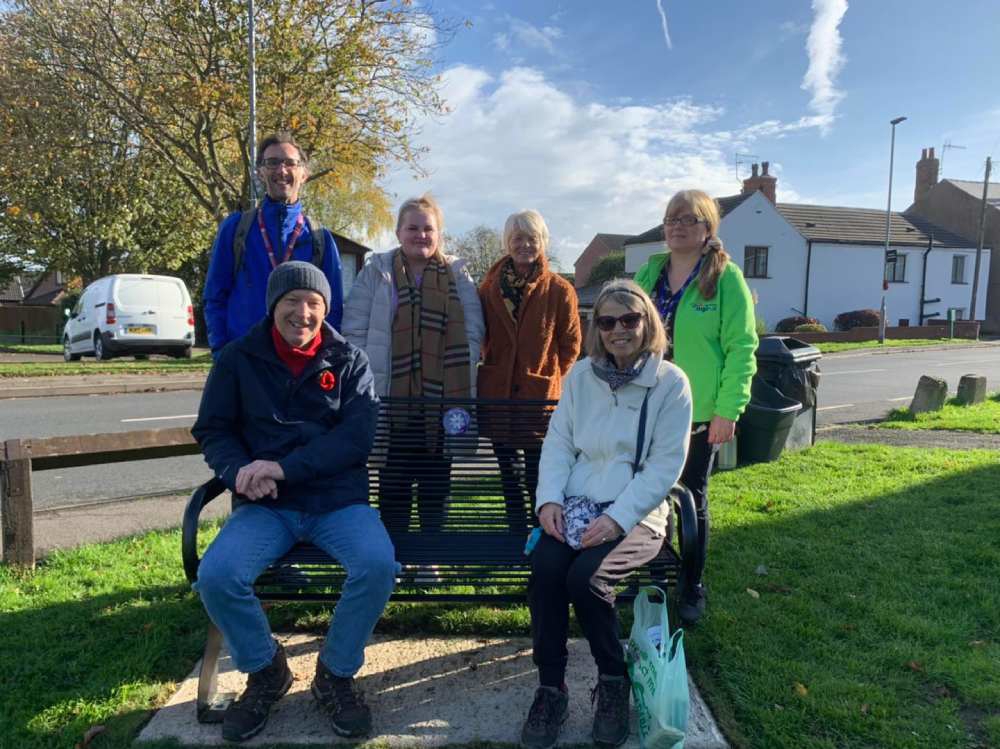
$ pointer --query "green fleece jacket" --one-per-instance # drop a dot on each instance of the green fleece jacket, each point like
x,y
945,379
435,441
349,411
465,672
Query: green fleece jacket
x,y
714,340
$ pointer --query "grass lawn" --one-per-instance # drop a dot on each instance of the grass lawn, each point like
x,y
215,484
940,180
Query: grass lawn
x,y
831,347
31,348
983,418
200,363
875,626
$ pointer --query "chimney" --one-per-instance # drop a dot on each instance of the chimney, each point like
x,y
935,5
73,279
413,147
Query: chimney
x,y
764,182
927,174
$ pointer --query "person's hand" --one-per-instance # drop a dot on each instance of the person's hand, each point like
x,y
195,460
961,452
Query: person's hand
x,y
262,487
550,515
601,530
258,479
720,430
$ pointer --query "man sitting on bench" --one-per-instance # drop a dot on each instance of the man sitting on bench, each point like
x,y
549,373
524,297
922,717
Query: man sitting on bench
x,y
286,421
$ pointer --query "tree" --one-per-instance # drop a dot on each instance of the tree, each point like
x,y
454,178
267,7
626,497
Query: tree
x,y
481,246
78,192
608,267
346,76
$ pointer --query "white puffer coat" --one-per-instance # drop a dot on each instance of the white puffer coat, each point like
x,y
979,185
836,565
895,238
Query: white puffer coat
x,y
369,313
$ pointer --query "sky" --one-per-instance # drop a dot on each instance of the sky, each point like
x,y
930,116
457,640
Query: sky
x,y
596,112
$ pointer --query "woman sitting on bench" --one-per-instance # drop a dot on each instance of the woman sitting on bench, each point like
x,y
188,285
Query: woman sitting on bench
x,y
615,446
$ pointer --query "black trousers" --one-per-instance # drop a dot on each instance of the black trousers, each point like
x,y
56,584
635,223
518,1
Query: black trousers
x,y
410,462
561,575
697,469
519,479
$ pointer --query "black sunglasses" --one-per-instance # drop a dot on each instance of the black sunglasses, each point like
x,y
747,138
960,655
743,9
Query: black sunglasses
x,y
629,321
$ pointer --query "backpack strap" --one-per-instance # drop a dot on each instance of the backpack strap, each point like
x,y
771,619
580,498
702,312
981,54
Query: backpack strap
x,y
247,219
240,239
316,232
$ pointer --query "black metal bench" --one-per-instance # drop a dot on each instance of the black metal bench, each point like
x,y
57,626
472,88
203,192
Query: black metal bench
x,y
470,550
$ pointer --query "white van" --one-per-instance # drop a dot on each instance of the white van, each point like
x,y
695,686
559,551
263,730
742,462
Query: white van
x,y
131,314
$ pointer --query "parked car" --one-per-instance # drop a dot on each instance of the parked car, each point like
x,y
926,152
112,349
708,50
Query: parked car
x,y
130,314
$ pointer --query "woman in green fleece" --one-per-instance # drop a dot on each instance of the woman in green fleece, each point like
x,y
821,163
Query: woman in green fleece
x,y
708,313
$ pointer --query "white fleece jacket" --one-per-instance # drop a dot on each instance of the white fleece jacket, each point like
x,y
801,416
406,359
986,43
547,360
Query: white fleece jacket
x,y
590,444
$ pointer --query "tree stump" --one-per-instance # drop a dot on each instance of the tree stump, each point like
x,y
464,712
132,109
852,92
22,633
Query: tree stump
x,y
971,389
930,395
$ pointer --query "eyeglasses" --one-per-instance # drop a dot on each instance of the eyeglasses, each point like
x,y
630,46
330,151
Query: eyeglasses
x,y
629,321
687,220
275,163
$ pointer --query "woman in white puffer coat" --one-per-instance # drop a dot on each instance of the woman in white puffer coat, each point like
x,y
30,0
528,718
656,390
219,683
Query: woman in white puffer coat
x,y
416,312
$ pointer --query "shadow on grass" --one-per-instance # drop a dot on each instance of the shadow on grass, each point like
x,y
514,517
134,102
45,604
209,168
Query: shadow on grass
x,y
876,623
74,664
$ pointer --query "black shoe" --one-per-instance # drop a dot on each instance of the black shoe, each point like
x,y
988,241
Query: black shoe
x,y
545,718
691,605
611,727
343,703
247,716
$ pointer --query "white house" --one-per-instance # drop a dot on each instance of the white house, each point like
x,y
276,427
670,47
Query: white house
x,y
823,260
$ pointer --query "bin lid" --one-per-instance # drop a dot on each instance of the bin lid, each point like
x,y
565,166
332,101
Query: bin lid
x,y
783,349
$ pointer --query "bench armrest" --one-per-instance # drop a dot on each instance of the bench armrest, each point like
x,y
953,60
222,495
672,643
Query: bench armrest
x,y
687,519
189,532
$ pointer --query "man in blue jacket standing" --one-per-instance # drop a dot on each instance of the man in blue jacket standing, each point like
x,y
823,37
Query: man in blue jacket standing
x,y
286,421
249,246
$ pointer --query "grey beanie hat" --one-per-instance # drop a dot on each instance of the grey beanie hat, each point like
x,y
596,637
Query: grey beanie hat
x,y
296,274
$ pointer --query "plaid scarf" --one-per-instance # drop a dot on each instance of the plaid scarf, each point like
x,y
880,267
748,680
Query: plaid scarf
x,y
430,351
512,286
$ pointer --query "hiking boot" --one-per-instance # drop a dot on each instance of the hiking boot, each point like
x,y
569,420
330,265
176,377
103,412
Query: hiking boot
x,y
247,716
545,718
691,605
343,703
611,726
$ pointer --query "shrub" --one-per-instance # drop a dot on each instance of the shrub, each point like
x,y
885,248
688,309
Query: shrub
x,y
789,324
859,318
811,327
761,326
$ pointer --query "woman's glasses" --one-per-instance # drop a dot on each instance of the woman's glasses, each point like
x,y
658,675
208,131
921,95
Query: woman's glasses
x,y
629,321
687,220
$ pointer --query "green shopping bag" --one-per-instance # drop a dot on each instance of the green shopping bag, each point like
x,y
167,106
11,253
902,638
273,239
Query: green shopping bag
x,y
659,674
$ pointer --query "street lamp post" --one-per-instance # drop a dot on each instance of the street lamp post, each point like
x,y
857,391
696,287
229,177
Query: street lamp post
x,y
252,86
888,219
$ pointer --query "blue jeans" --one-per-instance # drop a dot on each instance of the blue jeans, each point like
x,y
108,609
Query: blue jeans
x,y
255,536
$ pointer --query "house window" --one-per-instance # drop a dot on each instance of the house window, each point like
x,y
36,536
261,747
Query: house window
x,y
755,261
958,268
896,271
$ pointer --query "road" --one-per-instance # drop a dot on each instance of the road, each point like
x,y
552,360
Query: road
x,y
867,385
854,387
81,414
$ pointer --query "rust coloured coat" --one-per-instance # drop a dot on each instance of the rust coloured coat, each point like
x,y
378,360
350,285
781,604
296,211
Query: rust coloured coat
x,y
528,360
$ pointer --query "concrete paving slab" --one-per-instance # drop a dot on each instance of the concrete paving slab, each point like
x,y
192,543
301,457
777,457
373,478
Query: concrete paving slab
x,y
423,693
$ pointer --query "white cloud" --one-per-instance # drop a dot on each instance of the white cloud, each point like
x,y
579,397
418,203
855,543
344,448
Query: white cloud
x,y
663,22
825,59
518,140
528,35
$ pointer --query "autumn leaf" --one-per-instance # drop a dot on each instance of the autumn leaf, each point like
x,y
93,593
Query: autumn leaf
x,y
800,689
915,666
865,709
753,593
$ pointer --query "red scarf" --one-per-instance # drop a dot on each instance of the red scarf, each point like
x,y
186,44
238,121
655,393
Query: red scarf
x,y
296,359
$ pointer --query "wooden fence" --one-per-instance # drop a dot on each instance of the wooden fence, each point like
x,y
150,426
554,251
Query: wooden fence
x,y
22,457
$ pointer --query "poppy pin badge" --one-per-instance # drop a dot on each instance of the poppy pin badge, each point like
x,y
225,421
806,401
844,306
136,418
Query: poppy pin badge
x,y
327,380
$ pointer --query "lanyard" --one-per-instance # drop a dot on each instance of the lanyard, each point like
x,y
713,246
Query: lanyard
x,y
667,305
299,223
